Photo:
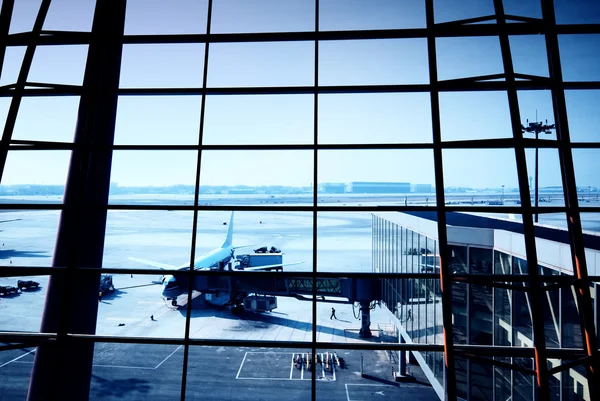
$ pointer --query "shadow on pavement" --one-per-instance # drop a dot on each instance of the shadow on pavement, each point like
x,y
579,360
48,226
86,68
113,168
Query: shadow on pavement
x,y
105,388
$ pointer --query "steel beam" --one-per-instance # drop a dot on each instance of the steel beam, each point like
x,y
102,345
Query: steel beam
x,y
19,88
584,300
539,338
5,18
190,274
72,298
445,282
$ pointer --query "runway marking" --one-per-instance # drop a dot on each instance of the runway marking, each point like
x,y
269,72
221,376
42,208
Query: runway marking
x,y
371,385
242,364
292,367
123,367
17,358
170,355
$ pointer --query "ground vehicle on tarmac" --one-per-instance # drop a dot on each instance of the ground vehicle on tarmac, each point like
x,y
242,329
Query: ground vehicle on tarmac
x,y
8,289
106,284
27,284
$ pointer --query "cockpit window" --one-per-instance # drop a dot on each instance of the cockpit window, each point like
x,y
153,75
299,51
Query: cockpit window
x,y
171,283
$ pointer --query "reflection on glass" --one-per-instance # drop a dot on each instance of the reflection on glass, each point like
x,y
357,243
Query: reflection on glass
x,y
47,119
373,62
586,162
13,58
375,118
493,180
456,55
529,55
35,175
162,65
397,177
549,189
463,118
151,17
261,64
157,120
236,16
270,177
583,120
259,119
481,380
58,64
57,18
576,12
446,10
142,176
578,57
524,8
371,14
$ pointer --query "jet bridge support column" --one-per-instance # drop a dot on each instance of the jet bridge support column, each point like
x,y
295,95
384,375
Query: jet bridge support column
x,y
366,291
365,322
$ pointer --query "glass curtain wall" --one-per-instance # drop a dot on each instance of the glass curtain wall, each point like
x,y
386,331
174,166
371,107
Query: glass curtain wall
x,y
191,110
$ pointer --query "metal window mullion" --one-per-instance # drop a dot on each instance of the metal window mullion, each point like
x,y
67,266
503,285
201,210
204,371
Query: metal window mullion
x,y
539,339
5,18
191,270
584,300
313,379
17,93
445,282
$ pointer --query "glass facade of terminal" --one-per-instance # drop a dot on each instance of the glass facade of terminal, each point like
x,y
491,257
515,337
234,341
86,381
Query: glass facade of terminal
x,y
481,315
131,130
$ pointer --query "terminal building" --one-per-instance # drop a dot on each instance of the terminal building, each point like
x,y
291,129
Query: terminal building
x,y
358,187
490,308
482,315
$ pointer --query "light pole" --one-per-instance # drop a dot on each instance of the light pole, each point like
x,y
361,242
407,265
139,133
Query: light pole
x,y
503,194
537,128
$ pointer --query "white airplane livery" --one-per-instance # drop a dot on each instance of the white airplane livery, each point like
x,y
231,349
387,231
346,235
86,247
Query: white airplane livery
x,y
217,259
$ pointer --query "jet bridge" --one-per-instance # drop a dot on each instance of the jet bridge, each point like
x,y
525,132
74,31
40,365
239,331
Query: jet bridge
x,y
346,290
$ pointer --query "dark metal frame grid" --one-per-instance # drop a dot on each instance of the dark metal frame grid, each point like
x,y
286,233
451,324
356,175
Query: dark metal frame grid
x,y
502,29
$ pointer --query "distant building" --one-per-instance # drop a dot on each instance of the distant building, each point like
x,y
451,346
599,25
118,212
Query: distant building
x,y
332,188
358,187
421,188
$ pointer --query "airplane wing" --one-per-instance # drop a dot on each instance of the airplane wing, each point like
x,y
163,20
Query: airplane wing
x,y
266,267
154,264
245,246
8,221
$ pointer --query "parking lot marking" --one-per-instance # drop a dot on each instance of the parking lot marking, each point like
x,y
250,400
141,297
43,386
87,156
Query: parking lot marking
x,y
171,354
372,385
17,358
241,365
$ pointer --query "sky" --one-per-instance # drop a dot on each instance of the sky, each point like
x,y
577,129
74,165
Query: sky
x,y
289,119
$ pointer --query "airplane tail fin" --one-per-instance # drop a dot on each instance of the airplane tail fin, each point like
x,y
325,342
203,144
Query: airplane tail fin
x,y
229,239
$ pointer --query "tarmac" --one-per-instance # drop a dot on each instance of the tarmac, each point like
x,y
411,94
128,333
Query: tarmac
x,y
154,372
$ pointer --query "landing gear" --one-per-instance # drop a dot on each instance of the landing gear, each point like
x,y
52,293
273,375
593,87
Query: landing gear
x,y
174,302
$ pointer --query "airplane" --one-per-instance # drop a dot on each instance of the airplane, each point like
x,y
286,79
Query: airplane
x,y
217,259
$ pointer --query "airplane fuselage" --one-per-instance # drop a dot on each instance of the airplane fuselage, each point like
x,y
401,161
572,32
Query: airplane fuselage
x,y
177,284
